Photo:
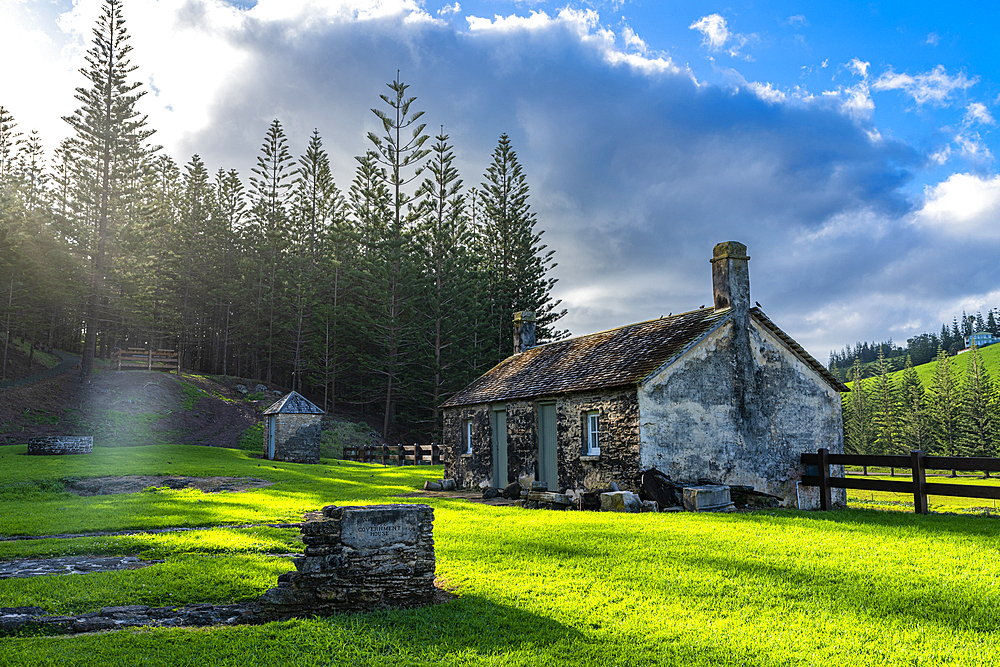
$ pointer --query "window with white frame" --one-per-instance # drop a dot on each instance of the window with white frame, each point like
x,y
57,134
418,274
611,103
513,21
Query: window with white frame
x,y
467,437
593,447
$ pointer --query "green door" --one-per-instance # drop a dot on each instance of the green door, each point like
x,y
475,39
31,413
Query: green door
x,y
548,466
500,479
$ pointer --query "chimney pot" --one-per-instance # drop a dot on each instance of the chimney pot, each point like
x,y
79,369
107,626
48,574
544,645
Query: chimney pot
x,y
524,331
731,276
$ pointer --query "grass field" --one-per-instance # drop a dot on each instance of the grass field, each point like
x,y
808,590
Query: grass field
x,y
904,501
855,587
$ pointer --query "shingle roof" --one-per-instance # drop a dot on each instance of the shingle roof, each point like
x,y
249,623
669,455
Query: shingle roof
x,y
612,358
294,403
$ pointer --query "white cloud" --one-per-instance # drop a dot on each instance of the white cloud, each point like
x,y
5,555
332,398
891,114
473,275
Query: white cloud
x,y
965,205
586,27
797,21
933,39
632,40
977,112
934,87
855,100
449,9
714,32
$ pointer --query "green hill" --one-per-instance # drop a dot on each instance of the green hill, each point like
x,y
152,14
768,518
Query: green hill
x,y
958,363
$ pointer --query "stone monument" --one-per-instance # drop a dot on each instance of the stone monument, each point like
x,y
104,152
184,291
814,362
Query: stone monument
x,y
356,559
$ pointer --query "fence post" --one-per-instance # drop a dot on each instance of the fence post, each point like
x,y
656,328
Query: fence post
x,y
416,454
919,482
435,454
384,453
824,479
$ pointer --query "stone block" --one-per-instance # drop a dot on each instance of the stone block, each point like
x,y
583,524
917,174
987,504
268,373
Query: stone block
x,y
706,498
432,486
620,501
553,498
448,485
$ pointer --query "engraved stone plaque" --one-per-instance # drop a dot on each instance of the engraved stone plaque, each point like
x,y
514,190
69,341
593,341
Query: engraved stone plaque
x,y
363,528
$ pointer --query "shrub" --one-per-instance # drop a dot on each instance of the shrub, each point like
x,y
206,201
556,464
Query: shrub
x,y
252,439
338,433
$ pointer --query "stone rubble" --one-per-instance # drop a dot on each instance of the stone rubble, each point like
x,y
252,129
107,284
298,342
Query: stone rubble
x,y
621,501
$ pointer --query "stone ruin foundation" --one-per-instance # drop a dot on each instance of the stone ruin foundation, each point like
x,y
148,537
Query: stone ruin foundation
x,y
61,444
359,558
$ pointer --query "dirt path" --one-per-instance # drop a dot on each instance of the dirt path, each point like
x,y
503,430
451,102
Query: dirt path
x,y
68,361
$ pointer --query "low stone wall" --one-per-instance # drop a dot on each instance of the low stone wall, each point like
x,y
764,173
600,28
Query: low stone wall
x,y
34,620
359,558
61,444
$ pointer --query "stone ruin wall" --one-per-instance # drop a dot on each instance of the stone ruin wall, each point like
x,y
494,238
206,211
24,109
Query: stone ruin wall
x,y
61,444
359,558
296,438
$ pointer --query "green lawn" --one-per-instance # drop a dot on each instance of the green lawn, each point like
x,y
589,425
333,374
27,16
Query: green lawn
x,y
855,587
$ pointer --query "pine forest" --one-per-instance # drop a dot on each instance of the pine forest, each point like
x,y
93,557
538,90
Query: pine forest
x,y
382,296
949,406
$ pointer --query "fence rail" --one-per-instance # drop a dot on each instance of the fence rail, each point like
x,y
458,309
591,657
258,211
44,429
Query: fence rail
x,y
150,360
398,455
818,474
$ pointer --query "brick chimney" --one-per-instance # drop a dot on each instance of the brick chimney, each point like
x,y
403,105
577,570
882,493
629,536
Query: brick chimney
x,y
731,276
524,331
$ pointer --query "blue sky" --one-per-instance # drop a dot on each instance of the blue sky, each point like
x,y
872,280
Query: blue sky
x,y
850,145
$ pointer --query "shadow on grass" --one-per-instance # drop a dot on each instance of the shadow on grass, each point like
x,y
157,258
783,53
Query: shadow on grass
x,y
861,520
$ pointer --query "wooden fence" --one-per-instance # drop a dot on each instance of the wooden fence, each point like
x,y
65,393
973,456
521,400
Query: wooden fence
x,y
818,474
400,455
150,360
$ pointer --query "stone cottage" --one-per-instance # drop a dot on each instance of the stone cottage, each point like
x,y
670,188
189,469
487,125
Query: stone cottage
x,y
292,432
717,393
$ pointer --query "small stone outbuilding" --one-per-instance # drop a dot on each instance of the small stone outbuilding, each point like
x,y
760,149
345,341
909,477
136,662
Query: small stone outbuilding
x,y
292,431
718,393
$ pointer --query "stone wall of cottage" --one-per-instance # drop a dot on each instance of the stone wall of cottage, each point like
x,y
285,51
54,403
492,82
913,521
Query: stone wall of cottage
x,y
739,416
296,438
619,441
468,470
618,437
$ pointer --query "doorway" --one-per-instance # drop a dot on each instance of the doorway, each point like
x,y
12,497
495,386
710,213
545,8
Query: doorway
x,y
271,420
548,462
499,424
